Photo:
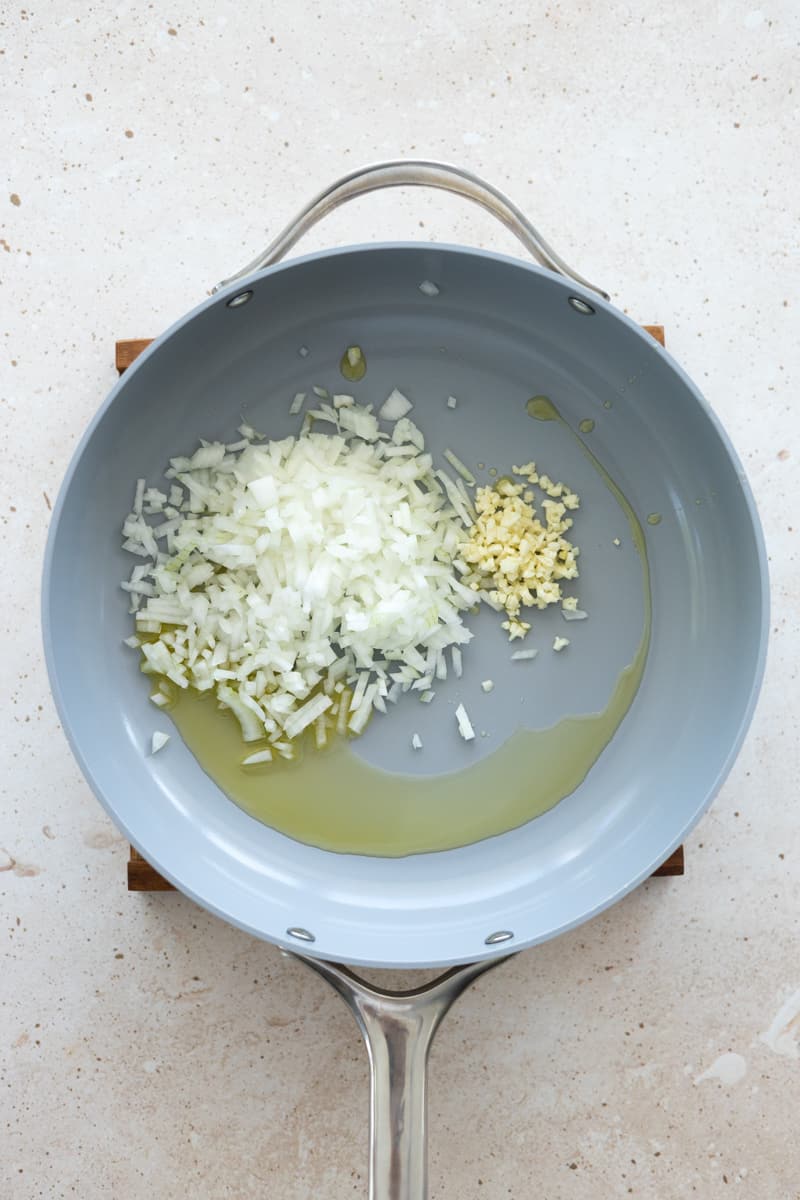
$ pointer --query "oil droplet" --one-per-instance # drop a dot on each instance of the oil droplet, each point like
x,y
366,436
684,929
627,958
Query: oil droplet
x,y
481,466
699,500
586,426
492,470
353,364
542,409
607,404
654,519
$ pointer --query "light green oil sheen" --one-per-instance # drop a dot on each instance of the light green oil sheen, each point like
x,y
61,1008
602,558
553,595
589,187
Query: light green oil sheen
x,y
331,799
352,372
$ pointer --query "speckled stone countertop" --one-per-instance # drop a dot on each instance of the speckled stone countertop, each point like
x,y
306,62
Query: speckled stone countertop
x,y
146,1049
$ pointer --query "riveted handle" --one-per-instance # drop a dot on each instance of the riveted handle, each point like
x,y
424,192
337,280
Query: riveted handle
x,y
414,172
398,1028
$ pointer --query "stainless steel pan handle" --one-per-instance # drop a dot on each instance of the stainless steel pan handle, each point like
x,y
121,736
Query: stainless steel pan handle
x,y
414,172
398,1028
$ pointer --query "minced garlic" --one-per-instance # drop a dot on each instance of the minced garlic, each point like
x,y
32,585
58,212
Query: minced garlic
x,y
514,556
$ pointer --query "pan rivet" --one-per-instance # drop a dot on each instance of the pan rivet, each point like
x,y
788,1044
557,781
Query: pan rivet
x,y
238,301
502,935
581,306
302,935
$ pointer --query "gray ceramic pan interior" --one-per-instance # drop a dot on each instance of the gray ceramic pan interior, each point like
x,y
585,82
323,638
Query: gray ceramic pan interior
x,y
498,332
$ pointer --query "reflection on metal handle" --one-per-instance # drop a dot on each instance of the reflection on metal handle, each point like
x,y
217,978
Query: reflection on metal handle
x,y
414,173
398,1028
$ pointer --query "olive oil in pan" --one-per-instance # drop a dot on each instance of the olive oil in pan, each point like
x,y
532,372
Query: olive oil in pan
x,y
333,800
541,408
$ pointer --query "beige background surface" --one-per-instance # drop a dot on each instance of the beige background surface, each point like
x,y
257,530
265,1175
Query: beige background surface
x,y
147,1050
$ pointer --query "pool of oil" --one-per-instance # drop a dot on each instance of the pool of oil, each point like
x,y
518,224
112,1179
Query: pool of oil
x,y
333,800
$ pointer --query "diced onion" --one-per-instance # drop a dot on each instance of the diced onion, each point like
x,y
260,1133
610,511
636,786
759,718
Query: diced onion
x,y
306,715
158,741
138,499
301,566
395,406
406,431
458,465
487,685
260,756
575,614
464,724
428,288
416,741
521,655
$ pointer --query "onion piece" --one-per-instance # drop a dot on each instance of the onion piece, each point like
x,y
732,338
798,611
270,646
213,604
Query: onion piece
x,y
454,496
306,715
523,655
451,402
321,732
458,465
487,685
395,406
138,499
464,724
416,741
429,288
406,431
341,717
358,720
158,741
297,403
260,756
574,614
